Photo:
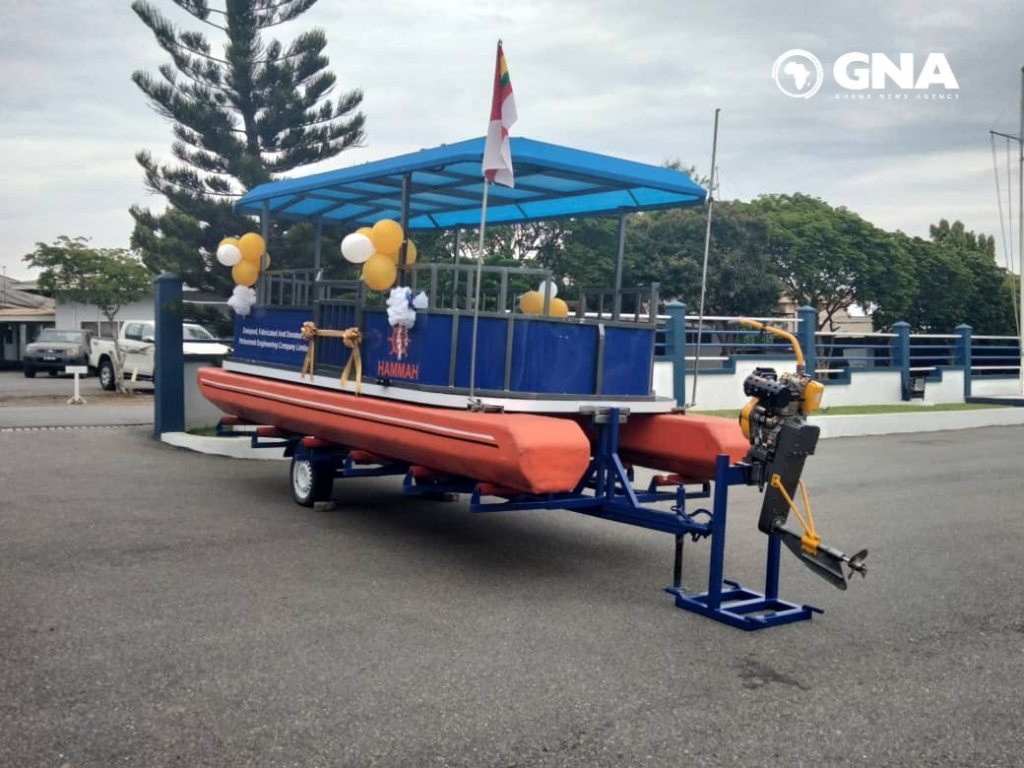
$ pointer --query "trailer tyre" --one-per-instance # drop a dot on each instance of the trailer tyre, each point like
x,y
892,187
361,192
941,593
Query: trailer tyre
x,y
312,480
106,373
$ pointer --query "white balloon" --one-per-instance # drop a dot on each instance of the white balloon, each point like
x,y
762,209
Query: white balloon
x,y
543,286
228,254
357,248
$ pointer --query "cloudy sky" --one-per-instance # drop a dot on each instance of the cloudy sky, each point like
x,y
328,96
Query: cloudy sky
x,y
639,80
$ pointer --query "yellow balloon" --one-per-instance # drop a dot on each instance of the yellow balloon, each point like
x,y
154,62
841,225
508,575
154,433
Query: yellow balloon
x,y
558,308
365,231
387,236
410,253
531,303
245,272
252,247
229,241
379,272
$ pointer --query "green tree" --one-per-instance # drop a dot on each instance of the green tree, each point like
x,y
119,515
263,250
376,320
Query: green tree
x,y
957,281
242,111
830,258
106,278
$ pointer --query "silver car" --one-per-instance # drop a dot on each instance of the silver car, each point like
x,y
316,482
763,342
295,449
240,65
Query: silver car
x,y
55,349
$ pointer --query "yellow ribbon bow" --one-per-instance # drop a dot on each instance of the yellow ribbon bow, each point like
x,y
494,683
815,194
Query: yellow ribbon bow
x,y
350,337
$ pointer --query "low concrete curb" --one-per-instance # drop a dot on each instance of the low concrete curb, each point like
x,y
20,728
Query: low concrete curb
x,y
233,447
925,421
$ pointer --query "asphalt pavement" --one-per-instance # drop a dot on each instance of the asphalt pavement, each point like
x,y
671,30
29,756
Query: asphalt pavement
x,y
42,402
161,607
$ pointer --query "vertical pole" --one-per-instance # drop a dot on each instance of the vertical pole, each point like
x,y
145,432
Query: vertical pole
x,y
677,567
476,297
675,338
771,575
406,189
169,360
963,355
619,251
902,356
265,234
807,324
317,246
707,249
717,565
455,278
1020,234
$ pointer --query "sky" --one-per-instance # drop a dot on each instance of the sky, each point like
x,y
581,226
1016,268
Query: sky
x,y
638,80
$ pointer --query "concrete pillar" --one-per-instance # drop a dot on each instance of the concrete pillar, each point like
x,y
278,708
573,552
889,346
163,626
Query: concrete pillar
x,y
675,346
168,358
807,324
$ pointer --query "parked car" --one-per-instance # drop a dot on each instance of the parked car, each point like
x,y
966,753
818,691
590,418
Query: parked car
x,y
54,349
137,340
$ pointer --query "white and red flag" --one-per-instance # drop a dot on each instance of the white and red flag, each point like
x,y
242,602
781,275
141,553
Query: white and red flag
x,y
497,164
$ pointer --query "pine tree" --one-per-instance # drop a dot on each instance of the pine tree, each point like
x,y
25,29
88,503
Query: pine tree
x,y
242,111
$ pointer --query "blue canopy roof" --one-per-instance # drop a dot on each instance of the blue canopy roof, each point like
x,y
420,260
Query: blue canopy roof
x,y
446,187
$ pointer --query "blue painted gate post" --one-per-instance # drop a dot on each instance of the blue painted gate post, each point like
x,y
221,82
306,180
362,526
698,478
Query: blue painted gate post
x,y
168,362
676,342
963,355
806,326
901,356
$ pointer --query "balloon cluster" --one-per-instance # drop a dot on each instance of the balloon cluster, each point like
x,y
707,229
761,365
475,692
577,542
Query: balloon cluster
x,y
246,255
532,302
242,299
377,249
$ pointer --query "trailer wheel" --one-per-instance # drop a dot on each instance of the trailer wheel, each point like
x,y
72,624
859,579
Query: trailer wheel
x,y
312,481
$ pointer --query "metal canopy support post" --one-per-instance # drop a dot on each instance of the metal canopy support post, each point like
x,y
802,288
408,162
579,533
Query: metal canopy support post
x,y
455,277
620,249
317,245
406,189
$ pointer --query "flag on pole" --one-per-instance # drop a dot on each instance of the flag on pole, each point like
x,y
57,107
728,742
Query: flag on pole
x,y
497,164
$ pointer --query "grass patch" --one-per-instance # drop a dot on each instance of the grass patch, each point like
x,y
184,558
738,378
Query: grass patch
x,y
863,410
203,431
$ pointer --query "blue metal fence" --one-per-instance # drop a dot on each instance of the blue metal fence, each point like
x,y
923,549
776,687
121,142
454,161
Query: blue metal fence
x,y
831,356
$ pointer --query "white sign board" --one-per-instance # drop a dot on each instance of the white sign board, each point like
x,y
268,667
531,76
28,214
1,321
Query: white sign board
x,y
83,369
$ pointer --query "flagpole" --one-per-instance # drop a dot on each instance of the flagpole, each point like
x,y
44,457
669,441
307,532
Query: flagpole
x,y
476,299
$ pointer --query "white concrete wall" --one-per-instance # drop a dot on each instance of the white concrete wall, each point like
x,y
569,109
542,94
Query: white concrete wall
x,y
949,390
994,387
199,412
865,388
719,392
72,315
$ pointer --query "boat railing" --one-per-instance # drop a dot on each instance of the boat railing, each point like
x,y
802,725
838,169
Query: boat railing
x,y
452,287
286,288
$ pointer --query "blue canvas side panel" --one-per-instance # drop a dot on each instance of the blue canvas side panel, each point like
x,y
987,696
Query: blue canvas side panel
x,y
628,354
421,357
490,352
553,357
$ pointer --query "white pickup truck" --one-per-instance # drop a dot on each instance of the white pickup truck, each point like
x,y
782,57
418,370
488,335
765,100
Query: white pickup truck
x,y
137,340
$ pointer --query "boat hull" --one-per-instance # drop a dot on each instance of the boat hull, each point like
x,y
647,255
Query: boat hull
x,y
537,454
683,444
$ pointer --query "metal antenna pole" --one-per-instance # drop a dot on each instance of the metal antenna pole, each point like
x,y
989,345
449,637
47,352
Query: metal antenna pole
x,y
704,272
1020,234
